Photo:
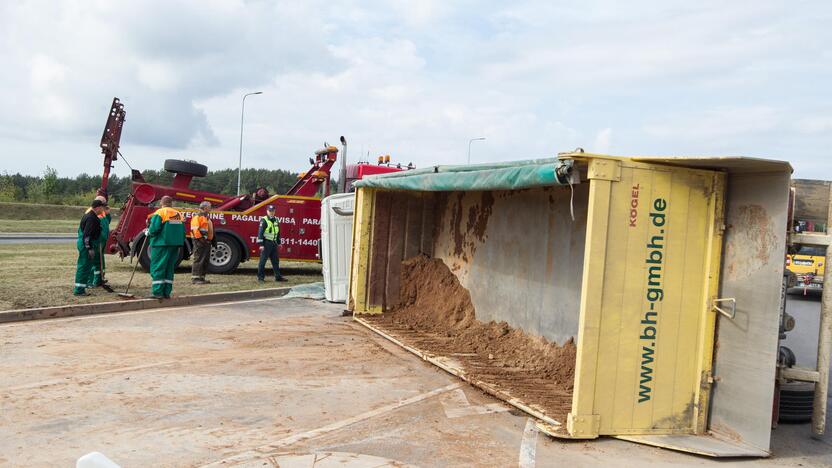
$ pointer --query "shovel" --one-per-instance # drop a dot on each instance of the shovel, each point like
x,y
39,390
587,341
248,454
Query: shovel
x,y
126,294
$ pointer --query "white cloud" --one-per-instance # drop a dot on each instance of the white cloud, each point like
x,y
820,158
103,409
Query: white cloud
x,y
603,141
718,123
413,79
158,76
816,124
46,72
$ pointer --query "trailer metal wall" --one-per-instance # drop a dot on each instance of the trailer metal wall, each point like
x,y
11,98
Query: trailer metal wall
x,y
745,361
519,254
389,227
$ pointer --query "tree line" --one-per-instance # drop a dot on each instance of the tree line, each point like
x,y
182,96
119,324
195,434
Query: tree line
x,y
80,190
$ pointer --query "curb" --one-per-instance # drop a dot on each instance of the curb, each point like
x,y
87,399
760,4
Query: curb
x,y
42,313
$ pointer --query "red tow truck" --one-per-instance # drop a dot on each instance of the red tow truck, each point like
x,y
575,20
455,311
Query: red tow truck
x,y
236,218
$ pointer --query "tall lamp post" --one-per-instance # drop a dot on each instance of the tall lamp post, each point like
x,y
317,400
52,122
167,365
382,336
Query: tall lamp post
x,y
469,146
242,115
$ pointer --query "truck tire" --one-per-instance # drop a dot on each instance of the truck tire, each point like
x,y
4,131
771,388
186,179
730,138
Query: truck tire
x,y
796,402
144,258
226,256
186,167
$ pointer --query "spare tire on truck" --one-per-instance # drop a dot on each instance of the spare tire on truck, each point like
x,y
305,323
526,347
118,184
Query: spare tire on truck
x,y
190,168
226,256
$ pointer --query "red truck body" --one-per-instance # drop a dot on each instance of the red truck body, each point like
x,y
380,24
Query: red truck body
x,y
236,218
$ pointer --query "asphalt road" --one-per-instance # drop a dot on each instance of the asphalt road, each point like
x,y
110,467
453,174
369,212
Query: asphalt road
x,y
26,238
803,340
278,382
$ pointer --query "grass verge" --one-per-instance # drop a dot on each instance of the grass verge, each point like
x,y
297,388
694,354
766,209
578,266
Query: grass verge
x,y
54,226
41,275
10,210
51,219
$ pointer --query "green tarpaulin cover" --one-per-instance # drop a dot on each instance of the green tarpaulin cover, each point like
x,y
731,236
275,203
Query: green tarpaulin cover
x,y
498,176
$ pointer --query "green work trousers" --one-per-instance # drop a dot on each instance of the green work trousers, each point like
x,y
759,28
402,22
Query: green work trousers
x,y
83,271
162,263
97,267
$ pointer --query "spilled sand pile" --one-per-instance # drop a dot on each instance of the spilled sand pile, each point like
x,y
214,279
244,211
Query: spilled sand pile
x,y
436,315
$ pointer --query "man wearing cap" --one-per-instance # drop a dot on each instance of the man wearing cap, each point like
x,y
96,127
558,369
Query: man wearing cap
x,y
89,233
268,236
202,233
166,234
98,277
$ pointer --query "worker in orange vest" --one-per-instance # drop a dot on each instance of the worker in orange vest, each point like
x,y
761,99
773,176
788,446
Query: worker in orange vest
x,y
202,233
167,235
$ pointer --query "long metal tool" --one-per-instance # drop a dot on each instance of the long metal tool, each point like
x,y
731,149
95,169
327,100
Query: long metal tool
x,y
126,294
104,284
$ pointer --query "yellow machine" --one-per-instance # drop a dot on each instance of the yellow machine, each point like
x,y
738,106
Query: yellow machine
x,y
808,266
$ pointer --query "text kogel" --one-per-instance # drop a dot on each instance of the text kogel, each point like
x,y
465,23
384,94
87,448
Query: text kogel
x,y
655,294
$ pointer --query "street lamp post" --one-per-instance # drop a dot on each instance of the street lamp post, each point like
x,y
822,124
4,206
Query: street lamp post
x,y
469,146
242,115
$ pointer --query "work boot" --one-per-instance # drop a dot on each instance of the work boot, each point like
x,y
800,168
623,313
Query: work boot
x,y
198,281
81,294
280,279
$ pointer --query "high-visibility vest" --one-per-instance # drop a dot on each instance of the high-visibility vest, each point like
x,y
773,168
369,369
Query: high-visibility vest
x,y
202,227
170,231
272,230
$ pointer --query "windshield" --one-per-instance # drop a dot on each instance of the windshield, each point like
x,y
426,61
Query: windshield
x,y
813,250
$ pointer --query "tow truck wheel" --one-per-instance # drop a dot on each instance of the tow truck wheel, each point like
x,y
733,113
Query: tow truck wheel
x,y
144,257
225,257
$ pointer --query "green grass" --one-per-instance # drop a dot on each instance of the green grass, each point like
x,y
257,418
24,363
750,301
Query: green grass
x,y
51,219
33,211
54,226
41,275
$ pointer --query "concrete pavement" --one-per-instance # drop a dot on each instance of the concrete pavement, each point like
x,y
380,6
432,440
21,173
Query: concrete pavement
x,y
277,382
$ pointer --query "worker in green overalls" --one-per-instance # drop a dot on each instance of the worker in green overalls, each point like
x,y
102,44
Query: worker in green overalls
x,y
98,278
166,234
89,234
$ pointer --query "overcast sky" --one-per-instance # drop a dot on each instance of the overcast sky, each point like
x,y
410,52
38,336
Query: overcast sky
x,y
415,79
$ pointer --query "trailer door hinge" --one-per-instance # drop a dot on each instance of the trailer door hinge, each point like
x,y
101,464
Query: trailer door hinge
x,y
604,169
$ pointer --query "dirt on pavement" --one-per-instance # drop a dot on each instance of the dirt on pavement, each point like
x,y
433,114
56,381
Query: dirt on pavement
x,y
436,315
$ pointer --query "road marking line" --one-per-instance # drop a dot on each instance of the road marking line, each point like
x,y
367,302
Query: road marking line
x,y
265,450
456,405
528,446
74,379
490,408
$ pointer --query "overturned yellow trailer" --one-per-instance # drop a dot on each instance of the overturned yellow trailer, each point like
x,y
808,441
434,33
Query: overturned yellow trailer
x,y
666,272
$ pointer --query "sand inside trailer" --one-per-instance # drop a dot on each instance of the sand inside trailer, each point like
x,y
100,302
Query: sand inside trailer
x,y
436,315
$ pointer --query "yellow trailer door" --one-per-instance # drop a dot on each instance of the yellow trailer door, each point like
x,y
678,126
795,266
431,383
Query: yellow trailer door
x,y
646,329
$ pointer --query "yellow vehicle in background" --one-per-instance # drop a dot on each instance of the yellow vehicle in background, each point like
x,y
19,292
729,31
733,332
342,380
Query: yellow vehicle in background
x,y
808,266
